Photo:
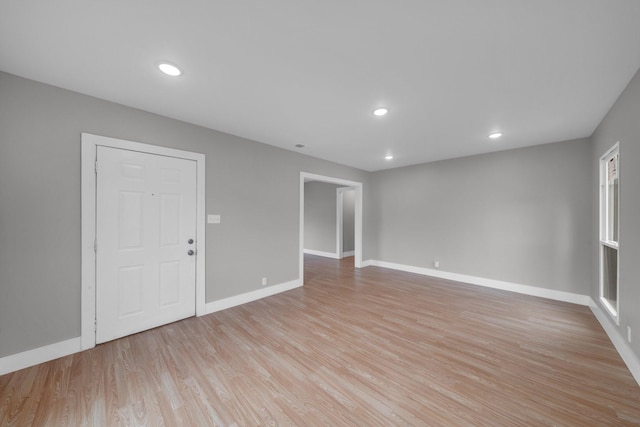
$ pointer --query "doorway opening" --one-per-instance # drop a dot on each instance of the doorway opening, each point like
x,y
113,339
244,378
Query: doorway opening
x,y
343,185
345,221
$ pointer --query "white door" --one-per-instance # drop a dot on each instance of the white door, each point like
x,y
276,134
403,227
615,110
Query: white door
x,y
145,238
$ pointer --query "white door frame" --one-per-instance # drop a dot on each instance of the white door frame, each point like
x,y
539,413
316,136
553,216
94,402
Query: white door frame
x,y
89,147
357,186
340,220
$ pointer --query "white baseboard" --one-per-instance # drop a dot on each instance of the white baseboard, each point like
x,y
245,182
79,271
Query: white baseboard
x,y
39,355
489,283
348,253
223,304
321,253
18,361
628,356
366,263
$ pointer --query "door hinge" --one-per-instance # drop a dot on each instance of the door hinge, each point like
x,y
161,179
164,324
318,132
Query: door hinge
x,y
95,325
95,246
95,167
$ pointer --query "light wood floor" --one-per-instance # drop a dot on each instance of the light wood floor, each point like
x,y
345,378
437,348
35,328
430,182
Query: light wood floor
x,y
368,347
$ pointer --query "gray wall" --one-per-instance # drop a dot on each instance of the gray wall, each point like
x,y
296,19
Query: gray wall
x,y
622,124
526,216
320,216
348,220
522,216
255,187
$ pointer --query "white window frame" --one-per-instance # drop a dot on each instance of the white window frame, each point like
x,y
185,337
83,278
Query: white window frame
x,y
614,311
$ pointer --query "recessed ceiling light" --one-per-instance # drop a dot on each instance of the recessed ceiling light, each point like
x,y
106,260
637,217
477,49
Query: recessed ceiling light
x,y
380,111
169,69
388,157
495,135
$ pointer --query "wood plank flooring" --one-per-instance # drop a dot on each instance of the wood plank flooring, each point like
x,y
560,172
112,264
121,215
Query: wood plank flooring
x,y
368,347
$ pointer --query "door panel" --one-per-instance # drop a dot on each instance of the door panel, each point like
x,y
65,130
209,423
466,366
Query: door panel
x,y
169,283
130,220
130,284
145,216
169,219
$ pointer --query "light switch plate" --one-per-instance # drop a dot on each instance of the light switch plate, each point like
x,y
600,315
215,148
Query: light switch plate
x,y
213,219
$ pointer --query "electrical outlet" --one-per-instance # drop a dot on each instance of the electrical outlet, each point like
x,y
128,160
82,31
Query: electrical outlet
x,y
264,281
436,264
629,334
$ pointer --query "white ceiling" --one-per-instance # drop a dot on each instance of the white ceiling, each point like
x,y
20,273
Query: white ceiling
x,y
288,72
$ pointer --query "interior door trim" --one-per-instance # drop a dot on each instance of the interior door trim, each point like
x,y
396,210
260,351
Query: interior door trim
x,y
357,187
89,146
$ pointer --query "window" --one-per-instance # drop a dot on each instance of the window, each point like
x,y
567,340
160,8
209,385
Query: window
x,y
609,229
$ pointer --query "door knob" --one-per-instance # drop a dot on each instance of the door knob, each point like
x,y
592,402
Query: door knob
x,y
191,252
190,241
